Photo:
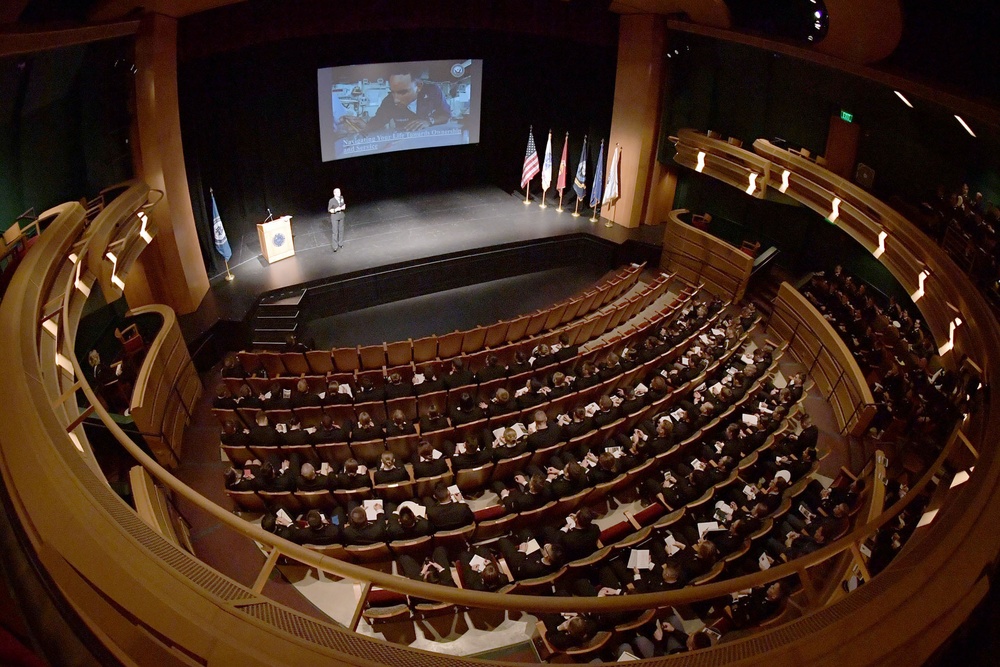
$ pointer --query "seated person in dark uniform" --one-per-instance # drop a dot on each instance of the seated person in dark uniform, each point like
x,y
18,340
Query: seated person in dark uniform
x,y
282,479
466,410
269,523
232,368
303,398
534,393
328,431
587,376
262,434
403,524
389,471
242,479
425,464
509,445
277,400
233,436
518,365
502,403
630,402
568,478
559,386
247,399
317,530
294,435
367,391
223,399
398,425
396,388
527,566
579,425
334,396
365,429
309,479
579,540
359,530
471,454
607,413
531,493
605,470
426,381
353,476
488,578
541,356
566,351
564,634
608,367
544,435
458,375
435,569
491,371
433,420
447,514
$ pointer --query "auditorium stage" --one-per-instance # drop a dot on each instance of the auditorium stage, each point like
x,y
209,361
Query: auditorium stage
x,y
391,231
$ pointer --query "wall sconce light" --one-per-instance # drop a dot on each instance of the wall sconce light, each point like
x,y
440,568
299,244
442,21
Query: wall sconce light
x,y
784,181
752,183
115,280
835,209
921,280
701,162
947,347
142,230
880,250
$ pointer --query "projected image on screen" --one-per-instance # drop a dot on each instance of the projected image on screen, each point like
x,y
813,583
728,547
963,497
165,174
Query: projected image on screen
x,y
385,107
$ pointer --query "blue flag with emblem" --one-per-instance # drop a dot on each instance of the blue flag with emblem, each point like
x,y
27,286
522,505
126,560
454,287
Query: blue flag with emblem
x,y
580,180
219,232
595,191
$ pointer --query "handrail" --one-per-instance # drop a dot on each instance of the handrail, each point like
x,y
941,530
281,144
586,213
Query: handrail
x,y
34,290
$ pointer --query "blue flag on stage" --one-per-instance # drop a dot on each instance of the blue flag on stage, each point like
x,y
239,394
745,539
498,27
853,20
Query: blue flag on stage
x,y
580,180
219,232
595,192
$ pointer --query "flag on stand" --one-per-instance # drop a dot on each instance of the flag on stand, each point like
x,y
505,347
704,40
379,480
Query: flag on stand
x,y
219,232
580,180
530,168
561,181
547,164
595,192
611,190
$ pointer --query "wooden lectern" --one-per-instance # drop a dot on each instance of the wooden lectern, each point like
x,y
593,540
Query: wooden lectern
x,y
276,238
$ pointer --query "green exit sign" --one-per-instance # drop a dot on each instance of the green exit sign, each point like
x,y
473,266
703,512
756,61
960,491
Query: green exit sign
x,y
849,117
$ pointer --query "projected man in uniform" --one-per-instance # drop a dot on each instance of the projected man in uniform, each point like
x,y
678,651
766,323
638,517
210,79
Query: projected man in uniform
x,y
412,104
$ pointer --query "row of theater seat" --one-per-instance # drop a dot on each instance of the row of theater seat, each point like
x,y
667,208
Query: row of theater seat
x,y
523,329
415,407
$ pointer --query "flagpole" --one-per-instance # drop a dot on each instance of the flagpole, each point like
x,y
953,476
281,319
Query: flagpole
x,y
526,189
595,217
611,221
229,276
576,211
560,209
543,204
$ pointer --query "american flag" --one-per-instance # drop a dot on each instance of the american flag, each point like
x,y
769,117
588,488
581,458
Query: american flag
x,y
531,168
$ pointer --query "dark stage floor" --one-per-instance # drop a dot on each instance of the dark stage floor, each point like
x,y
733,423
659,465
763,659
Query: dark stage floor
x,y
390,231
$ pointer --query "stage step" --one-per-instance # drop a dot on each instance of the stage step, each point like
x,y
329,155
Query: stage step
x,y
271,317
278,310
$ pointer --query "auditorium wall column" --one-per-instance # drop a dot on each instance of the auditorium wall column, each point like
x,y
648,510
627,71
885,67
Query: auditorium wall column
x,y
171,270
635,124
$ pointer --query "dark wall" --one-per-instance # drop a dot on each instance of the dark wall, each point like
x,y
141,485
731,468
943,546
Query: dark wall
x,y
750,93
250,121
63,125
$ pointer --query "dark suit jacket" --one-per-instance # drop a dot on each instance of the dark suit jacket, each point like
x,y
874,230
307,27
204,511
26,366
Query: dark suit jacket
x,y
397,474
450,516
372,533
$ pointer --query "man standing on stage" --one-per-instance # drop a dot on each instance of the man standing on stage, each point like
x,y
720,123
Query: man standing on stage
x,y
336,207
412,104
